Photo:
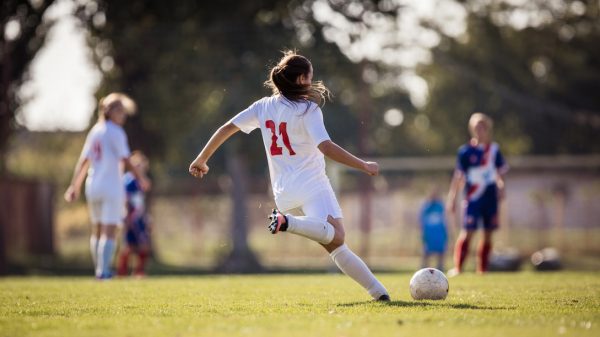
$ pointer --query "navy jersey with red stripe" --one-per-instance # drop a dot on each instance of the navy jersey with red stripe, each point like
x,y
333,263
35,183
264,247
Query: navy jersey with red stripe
x,y
480,164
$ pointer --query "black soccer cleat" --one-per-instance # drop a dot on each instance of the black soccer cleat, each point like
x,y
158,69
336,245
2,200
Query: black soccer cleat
x,y
278,222
384,298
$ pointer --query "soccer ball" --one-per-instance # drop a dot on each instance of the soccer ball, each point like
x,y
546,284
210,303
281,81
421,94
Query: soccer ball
x,y
429,284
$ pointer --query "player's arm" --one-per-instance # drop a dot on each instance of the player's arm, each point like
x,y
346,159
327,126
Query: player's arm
x,y
338,154
198,167
141,177
458,181
501,187
74,189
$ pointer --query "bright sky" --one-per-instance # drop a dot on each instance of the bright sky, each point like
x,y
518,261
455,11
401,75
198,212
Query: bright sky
x,y
60,95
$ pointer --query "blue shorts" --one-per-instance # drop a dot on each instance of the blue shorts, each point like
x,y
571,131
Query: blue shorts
x,y
484,210
434,247
137,233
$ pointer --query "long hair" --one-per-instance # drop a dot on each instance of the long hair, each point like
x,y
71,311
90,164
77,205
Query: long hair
x,y
283,80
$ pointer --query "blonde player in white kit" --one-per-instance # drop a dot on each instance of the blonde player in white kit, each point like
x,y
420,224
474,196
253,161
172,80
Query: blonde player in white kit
x,y
295,139
103,154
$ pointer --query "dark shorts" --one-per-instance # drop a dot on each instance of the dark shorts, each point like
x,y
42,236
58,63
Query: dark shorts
x,y
137,233
483,211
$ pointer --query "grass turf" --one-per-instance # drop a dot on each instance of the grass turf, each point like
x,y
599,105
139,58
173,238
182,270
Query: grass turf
x,y
517,304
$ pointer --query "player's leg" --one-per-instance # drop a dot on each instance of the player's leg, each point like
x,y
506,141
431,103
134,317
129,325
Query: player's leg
x,y
483,251
425,259
143,251
95,211
352,265
461,249
143,254
471,215
440,262
326,208
316,229
94,239
123,261
112,214
106,249
130,244
490,224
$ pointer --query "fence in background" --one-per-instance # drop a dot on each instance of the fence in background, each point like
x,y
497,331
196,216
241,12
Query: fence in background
x,y
26,219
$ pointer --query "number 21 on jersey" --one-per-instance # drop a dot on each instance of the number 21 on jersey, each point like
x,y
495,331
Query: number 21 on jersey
x,y
276,150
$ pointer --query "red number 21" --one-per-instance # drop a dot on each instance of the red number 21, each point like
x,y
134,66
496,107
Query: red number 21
x,y
276,150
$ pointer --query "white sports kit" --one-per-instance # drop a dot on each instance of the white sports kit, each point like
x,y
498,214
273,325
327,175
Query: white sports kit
x,y
105,147
291,133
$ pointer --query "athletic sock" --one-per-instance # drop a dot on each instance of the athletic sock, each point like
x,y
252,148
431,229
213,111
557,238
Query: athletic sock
x,y
106,249
94,250
141,266
312,228
123,265
351,265
483,256
461,250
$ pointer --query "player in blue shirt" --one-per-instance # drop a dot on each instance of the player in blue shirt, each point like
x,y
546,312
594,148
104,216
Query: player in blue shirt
x,y
433,230
480,167
137,227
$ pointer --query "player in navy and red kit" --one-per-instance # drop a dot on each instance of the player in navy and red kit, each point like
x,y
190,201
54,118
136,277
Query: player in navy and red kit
x,y
480,167
136,238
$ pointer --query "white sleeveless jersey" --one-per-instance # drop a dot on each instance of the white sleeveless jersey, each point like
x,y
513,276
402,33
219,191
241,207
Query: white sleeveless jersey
x,y
105,147
291,133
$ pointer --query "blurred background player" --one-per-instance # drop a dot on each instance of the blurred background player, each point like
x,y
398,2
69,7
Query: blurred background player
x,y
296,141
136,238
480,167
433,229
105,150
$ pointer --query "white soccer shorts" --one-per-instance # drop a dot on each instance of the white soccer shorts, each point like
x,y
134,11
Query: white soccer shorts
x,y
322,205
107,211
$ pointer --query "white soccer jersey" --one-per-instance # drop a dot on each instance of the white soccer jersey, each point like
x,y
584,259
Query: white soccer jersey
x,y
291,133
105,147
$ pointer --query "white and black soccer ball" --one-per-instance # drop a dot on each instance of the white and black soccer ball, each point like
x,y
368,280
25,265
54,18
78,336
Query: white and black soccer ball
x,y
429,284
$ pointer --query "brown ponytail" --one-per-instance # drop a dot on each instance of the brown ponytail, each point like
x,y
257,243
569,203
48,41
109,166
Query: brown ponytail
x,y
283,80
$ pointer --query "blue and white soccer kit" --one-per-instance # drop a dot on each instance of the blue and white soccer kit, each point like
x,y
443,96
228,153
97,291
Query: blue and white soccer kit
x,y
480,166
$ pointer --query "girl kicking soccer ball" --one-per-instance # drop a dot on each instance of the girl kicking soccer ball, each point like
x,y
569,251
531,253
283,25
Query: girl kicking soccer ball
x,y
295,139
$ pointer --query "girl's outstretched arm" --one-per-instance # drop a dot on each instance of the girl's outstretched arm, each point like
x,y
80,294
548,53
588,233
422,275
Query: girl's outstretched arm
x,y
337,153
198,167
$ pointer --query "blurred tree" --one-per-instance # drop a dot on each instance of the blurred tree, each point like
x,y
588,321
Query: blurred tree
x,y
22,35
537,82
532,66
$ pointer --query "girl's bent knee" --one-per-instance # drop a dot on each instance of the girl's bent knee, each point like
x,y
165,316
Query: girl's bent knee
x,y
338,238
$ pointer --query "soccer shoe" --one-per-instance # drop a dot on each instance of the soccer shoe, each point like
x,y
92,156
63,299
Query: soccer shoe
x,y
453,272
278,222
384,298
104,277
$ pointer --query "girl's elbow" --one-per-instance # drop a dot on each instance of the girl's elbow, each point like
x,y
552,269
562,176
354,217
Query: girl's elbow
x,y
325,147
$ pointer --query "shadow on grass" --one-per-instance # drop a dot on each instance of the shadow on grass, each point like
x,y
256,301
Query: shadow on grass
x,y
407,304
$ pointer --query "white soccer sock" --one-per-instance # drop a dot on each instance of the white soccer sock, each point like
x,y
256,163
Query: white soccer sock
x,y
94,250
312,228
351,265
106,249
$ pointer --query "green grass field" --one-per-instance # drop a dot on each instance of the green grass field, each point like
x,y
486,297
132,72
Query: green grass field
x,y
519,304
